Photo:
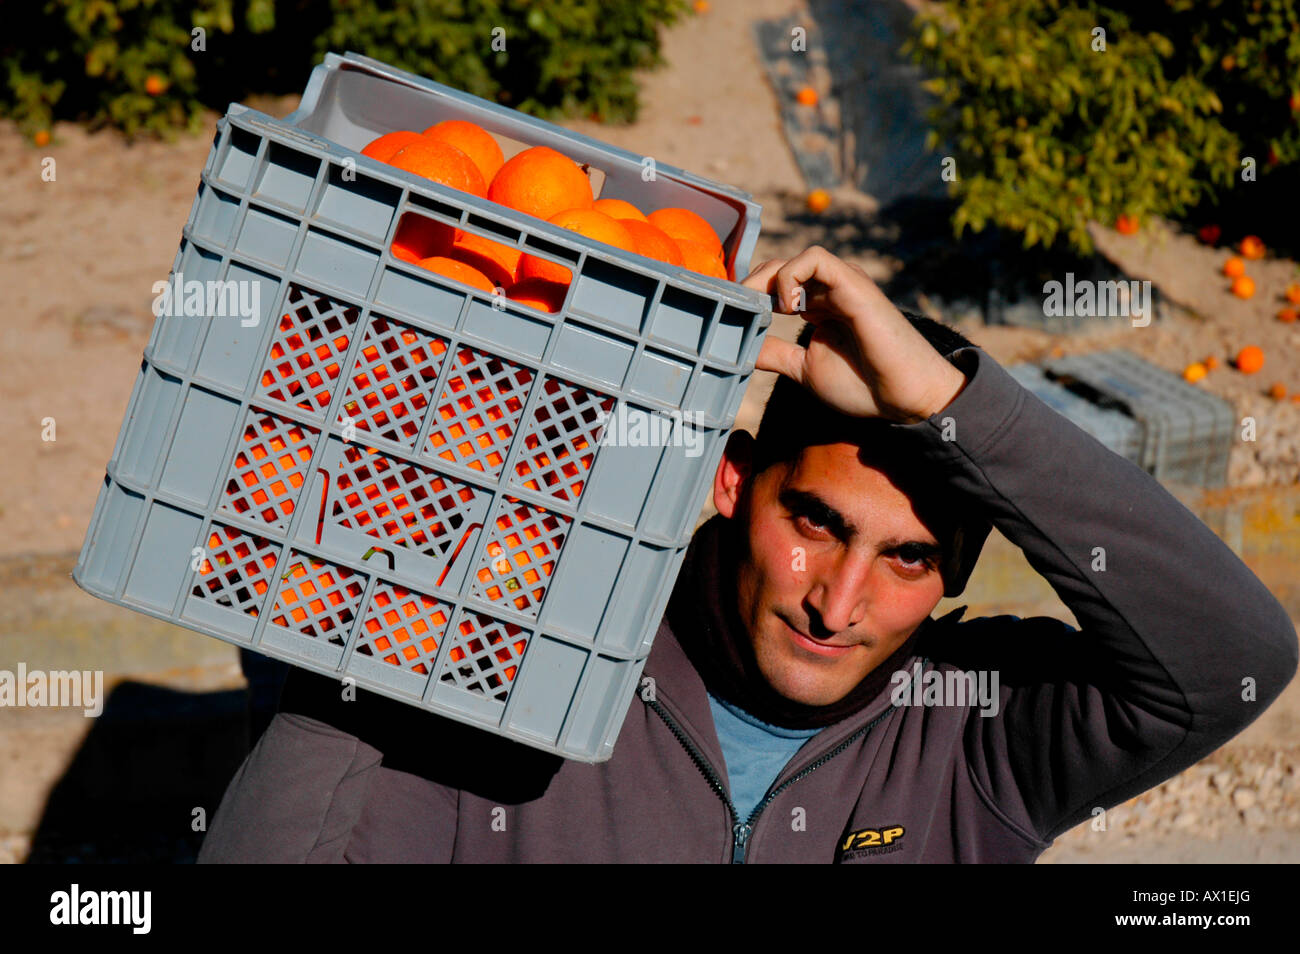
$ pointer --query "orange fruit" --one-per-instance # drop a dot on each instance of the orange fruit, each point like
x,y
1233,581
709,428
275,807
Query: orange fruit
x,y
807,96
418,237
1251,247
1288,316
1243,286
652,242
1278,391
1211,363
532,267
1293,293
42,137
1250,359
588,222
539,293
685,225
496,260
457,270
541,182
1194,372
619,209
388,144
701,6
155,85
441,162
819,200
698,257
1228,62
473,140
1126,225
1209,234
1234,268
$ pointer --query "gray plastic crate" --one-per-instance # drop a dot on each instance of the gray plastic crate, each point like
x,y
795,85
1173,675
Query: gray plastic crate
x,y
1187,433
457,501
1113,428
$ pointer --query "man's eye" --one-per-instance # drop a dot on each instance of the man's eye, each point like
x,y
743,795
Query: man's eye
x,y
808,524
916,558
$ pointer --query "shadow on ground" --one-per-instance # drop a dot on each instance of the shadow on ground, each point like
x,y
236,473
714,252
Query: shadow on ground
x,y
989,274
152,770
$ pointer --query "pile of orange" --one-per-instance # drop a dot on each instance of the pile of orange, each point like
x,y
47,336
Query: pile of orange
x,y
1243,286
541,182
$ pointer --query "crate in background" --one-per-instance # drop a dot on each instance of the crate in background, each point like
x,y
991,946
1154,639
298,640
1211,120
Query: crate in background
x,y
388,476
1112,427
1187,433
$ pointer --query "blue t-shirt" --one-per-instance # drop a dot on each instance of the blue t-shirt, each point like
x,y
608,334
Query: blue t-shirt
x,y
755,752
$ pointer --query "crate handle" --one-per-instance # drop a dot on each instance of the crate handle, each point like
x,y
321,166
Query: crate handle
x,y
455,553
1089,392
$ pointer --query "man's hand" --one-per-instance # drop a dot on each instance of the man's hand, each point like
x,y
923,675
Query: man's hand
x,y
865,358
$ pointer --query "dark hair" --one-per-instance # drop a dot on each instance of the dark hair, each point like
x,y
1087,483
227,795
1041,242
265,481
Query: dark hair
x,y
794,418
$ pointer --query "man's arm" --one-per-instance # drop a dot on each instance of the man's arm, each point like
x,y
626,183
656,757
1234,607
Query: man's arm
x,y
1180,646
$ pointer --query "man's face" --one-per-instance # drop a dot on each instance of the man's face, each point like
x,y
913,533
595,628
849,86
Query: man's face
x,y
836,570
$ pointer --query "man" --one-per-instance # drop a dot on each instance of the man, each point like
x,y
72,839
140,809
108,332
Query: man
x,y
798,703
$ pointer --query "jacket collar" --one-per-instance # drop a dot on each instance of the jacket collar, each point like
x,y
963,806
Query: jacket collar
x,y
681,691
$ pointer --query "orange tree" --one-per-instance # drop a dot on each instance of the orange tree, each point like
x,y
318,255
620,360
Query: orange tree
x,y
156,64
1061,112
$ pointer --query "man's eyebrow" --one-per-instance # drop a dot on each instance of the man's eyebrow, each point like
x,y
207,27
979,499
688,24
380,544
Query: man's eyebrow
x,y
810,505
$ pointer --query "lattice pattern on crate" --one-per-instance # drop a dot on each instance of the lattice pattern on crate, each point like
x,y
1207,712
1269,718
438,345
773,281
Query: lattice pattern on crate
x,y
390,387
561,439
312,339
403,627
485,655
479,410
401,503
267,472
317,599
237,569
519,556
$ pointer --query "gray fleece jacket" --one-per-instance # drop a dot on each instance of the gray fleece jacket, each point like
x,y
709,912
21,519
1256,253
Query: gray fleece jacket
x,y
1180,647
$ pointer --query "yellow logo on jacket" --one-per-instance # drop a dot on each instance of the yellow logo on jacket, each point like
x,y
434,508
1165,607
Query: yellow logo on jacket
x,y
872,841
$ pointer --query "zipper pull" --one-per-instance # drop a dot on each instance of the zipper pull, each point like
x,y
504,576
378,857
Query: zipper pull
x,y
740,833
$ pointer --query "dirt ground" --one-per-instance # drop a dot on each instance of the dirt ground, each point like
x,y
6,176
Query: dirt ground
x,y
79,256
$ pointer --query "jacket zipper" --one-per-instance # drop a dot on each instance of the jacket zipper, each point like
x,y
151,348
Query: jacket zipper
x,y
737,838
740,831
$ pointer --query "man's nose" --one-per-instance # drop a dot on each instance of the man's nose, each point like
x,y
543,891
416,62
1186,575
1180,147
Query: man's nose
x,y
840,593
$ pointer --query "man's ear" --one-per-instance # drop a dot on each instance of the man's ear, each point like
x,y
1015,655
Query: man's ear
x,y
734,471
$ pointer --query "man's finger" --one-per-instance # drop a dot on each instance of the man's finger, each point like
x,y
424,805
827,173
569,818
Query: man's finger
x,y
783,357
760,278
792,297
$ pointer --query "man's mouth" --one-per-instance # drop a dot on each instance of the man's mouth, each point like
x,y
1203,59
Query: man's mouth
x,y
820,647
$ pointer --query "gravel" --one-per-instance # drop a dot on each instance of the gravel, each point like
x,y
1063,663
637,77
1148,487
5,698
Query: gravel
x,y
1234,794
